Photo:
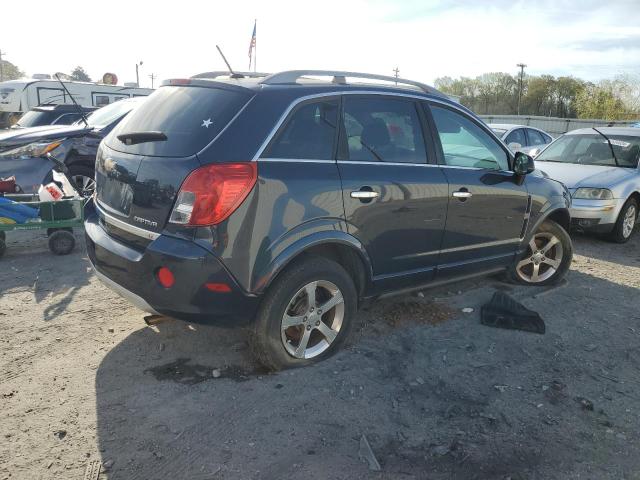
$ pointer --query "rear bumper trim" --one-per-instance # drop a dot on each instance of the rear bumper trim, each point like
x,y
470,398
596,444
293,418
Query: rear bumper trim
x,y
141,232
123,292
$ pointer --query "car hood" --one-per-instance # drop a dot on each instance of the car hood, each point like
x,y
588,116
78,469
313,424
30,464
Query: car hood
x,y
23,136
574,175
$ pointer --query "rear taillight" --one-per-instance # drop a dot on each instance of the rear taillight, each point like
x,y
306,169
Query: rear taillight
x,y
211,193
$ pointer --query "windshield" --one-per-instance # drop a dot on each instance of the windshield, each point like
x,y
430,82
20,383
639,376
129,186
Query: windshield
x,y
31,119
107,115
593,149
499,131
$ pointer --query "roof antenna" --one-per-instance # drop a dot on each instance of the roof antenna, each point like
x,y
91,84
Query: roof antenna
x,y
233,74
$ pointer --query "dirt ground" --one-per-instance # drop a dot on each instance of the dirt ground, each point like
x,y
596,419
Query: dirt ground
x,y
85,384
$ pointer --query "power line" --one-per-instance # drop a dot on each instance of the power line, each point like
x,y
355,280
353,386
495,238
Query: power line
x,y
522,67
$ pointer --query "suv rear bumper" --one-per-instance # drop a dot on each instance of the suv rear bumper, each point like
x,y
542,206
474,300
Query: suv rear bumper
x,y
132,274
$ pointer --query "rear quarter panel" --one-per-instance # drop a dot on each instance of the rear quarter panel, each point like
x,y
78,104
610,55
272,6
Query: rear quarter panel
x,y
291,202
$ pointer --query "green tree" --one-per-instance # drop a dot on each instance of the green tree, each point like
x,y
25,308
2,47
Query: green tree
x,y
10,71
80,75
601,102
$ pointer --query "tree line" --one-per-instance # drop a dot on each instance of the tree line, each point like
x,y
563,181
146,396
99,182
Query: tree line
x,y
12,72
545,95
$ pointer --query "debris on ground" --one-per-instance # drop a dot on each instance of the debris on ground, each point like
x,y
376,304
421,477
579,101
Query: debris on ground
x,y
585,403
366,454
503,311
467,310
413,312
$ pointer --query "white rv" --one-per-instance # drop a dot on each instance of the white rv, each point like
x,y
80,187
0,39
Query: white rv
x,y
20,96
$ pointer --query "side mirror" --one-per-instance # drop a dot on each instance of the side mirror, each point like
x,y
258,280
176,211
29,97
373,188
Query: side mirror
x,y
514,146
523,164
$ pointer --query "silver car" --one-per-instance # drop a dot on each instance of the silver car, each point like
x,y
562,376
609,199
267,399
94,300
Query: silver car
x,y
521,137
600,169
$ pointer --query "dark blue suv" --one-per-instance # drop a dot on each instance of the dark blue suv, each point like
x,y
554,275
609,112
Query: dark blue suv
x,y
281,202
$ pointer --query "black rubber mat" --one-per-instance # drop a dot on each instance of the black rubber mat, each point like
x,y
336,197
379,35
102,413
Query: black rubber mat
x,y
504,311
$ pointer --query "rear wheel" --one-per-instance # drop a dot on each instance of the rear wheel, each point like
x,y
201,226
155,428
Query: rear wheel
x,y
626,222
61,242
548,256
305,316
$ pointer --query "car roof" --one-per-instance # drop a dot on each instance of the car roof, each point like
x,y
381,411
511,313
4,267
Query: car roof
x,y
509,126
628,131
64,107
299,81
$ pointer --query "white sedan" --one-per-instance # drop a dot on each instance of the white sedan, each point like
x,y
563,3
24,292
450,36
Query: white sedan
x,y
521,137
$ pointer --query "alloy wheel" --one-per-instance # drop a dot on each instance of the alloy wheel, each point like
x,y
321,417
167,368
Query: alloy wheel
x,y
84,184
312,320
543,259
629,221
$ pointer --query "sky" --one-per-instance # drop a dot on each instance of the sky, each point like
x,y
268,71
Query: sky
x,y
425,39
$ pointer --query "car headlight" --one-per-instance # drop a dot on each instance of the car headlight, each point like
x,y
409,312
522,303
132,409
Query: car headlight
x,y
31,150
593,194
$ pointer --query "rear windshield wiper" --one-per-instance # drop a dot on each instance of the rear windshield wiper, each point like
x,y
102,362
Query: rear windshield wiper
x,y
615,159
134,138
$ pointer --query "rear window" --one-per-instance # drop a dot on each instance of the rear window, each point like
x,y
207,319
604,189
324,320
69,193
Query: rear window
x,y
189,116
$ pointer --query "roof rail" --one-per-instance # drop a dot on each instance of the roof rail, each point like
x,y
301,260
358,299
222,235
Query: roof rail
x,y
340,78
226,73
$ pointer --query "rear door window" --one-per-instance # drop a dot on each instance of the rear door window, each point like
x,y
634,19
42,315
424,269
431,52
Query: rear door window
x,y
190,117
535,137
380,129
309,133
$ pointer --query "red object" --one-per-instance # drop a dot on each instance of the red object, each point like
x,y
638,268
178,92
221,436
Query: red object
x,y
215,191
218,287
8,185
165,277
180,81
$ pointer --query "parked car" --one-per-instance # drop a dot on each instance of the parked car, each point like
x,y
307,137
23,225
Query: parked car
x,y
283,202
22,150
52,115
20,96
600,168
521,137
635,125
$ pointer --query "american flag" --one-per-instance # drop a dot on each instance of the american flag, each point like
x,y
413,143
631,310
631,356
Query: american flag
x,y
252,44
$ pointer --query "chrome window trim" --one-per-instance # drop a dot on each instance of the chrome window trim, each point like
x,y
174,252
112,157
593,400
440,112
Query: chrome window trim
x,y
423,97
305,160
338,93
140,232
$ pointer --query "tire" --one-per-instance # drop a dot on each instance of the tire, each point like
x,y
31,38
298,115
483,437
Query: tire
x,y
623,231
3,236
276,347
61,242
545,264
83,179
51,231
3,246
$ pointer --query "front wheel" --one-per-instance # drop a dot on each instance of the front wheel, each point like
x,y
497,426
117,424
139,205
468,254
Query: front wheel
x,y
305,316
626,222
548,256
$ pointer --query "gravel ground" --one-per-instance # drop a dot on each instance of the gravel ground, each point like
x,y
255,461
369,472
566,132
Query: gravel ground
x,y
84,383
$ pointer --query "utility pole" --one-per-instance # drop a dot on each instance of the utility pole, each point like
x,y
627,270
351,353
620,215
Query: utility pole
x,y
520,84
153,76
137,75
1,71
396,73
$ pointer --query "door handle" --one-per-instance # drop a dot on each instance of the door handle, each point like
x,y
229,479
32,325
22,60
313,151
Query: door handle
x,y
463,194
364,194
